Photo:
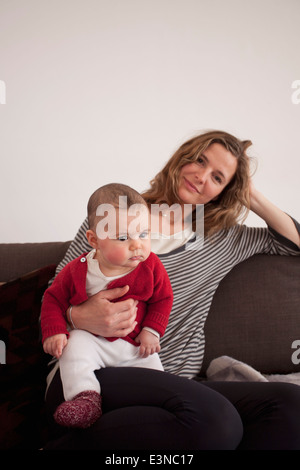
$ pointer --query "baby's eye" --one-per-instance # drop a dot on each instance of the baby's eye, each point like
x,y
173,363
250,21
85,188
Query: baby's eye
x,y
122,238
144,235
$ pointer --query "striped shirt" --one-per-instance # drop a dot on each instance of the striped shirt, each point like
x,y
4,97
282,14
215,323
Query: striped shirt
x,y
195,271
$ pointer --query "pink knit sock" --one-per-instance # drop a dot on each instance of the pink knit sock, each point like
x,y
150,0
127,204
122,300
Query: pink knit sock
x,y
80,412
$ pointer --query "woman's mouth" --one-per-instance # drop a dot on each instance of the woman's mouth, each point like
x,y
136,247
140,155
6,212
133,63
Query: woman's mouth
x,y
190,186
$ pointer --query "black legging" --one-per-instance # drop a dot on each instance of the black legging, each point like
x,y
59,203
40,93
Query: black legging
x,y
147,409
270,412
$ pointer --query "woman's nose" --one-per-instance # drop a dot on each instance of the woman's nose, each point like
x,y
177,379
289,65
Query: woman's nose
x,y
201,175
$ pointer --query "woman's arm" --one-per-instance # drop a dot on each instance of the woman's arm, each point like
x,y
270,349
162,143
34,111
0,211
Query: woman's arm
x,y
100,316
273,216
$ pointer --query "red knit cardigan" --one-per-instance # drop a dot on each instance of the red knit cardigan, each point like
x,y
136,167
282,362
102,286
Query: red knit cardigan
x,y
148,283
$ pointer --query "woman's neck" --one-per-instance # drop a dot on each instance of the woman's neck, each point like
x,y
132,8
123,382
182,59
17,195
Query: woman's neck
x,y
171,220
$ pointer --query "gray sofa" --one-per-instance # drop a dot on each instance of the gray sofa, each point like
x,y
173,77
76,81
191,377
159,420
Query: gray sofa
x,y
254,318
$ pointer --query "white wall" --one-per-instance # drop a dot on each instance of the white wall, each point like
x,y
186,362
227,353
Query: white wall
x,y
106,90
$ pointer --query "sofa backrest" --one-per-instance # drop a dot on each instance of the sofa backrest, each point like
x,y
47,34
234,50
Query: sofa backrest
x,y
17,259
254,316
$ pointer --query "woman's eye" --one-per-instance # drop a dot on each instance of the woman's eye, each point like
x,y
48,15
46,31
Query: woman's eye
x,y
218,179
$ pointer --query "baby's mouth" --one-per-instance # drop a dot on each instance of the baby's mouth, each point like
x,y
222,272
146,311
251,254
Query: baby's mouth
x,y
137,257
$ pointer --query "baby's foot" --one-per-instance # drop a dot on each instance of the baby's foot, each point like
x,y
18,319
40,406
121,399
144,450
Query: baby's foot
x,y
80,412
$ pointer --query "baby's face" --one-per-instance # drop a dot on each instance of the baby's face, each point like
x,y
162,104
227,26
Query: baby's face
x,y
127,243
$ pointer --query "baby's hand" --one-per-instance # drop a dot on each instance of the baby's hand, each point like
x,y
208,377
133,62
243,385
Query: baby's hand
x,y
55,344
149,343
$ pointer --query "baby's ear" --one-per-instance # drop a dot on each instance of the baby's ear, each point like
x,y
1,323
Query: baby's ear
x,y
91,238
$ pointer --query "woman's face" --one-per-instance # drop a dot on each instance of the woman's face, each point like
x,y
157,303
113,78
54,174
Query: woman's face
x,y
202,181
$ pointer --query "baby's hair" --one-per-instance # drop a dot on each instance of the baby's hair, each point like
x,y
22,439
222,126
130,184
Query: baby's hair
x,y
110,194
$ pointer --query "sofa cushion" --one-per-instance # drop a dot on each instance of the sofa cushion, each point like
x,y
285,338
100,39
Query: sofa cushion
x,y
22,377
255,315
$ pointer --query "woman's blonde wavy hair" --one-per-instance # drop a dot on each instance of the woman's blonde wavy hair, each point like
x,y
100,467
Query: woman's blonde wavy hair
x,y
232,205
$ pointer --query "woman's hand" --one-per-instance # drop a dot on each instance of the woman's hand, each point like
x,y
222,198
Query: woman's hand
x,y
100,316
272,215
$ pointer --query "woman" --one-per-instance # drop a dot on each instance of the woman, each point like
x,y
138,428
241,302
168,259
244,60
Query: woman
x,y
210,169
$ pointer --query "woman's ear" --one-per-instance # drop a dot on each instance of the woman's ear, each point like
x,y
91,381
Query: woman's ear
x,y
92,238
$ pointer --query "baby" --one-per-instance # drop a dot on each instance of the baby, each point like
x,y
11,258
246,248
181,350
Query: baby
x,y
121,256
